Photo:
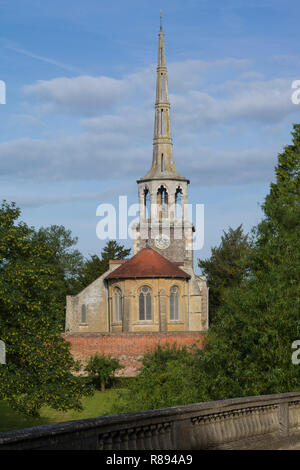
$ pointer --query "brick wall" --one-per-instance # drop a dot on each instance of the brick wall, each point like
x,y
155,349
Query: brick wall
x,y
129,347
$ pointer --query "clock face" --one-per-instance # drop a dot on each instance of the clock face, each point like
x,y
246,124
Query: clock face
x,y
162,242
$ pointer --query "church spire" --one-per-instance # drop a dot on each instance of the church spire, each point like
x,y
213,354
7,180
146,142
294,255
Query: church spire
x,y
162,163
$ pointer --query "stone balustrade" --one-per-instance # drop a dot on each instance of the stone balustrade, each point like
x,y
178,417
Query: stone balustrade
x,y
262,422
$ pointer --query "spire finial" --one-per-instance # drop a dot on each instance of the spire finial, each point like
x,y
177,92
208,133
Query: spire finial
x,y
161,21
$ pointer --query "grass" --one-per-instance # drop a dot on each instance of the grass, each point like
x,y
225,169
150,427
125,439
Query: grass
x,y
100,404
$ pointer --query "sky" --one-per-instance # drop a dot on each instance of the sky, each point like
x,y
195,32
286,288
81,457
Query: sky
x,y
77,127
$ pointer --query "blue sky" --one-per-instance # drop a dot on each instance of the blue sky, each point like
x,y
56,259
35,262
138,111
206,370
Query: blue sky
x,y
78,124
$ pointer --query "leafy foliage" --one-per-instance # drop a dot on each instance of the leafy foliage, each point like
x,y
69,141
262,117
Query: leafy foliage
x,y
94,267
249,351
226,267
39,365
167,378
101,370
66,262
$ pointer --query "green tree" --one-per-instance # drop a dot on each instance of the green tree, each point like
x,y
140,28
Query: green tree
x,y
66,261
226,267
113,250
94,267
167,378
101,370
249,351
39,366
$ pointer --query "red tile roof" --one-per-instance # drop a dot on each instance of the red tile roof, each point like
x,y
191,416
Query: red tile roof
x,y
148,263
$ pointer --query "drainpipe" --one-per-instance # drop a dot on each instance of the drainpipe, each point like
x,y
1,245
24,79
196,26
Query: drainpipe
x,y
189,305
207,307
107,305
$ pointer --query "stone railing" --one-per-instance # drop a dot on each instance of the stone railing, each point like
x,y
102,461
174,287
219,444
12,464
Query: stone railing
x,y
263,422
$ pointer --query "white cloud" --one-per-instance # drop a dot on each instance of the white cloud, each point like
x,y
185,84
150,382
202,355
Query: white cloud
x,y
36,199
117,115
87,156
26,120
230,166
111,156
83,94
260,101
131,121
193,74
202,94
95,95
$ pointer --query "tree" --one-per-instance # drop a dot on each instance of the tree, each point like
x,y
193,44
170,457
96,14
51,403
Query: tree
x,y
113,250
65,260
101,370
39,366
94,267
226,267
249,351
167,378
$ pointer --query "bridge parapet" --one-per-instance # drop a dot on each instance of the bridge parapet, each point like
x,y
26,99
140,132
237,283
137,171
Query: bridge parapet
x,y
260,422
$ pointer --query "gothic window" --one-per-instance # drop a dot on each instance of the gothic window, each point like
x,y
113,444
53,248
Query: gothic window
x,y
162,163
162,122
162,202
118,304
146,203
145,304
83,314
174,315
178,203
161,87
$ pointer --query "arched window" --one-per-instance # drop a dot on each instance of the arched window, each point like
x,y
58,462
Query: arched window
x,y
118,304
174,314
146,203
178,203
162,163
83,313
162,202
145,304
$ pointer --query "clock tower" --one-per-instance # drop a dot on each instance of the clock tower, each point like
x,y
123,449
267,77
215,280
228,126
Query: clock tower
x,y
163,192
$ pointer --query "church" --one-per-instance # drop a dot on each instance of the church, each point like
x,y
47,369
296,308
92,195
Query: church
x,y
156,291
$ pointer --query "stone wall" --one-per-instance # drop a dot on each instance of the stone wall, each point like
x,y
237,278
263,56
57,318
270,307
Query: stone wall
x,y
263,422
128,347
94,298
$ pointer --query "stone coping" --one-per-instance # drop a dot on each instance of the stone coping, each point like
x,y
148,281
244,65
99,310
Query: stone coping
x,y
144,418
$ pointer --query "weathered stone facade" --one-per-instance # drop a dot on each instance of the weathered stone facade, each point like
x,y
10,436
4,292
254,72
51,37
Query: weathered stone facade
x,y
188,319
94,309
87,311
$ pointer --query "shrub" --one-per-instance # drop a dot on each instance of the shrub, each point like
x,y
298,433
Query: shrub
x,y
166,379
101,370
